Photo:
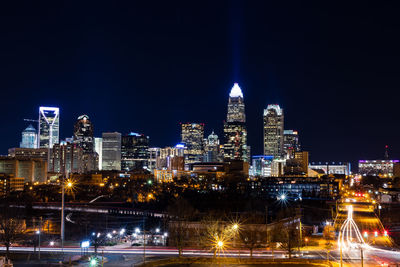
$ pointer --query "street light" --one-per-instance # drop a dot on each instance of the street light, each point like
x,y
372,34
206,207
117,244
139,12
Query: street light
x,y
137,230
157,230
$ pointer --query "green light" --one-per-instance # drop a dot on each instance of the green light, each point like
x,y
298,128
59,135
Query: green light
x,y
149,181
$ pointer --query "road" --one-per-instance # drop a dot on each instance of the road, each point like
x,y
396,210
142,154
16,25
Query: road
x,y
361,229
373,257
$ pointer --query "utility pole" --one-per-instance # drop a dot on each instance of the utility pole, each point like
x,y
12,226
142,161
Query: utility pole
x,y
40,232
144,240
62,214
341,255
362,257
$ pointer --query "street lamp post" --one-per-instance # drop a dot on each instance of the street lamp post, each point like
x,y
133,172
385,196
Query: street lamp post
x,y
62,214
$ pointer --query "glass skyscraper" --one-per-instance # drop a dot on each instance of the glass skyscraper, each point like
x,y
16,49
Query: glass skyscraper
x,y
49,126
111,151
235,132
192,136
83,134
29,138
134,152
273,131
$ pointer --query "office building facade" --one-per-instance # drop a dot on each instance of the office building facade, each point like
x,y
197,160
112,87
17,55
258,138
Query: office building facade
x,y
273,131
290,141
83,134
134,152
111,151
381,168
66,158
235,132
49,127
98,148
212,148
192,136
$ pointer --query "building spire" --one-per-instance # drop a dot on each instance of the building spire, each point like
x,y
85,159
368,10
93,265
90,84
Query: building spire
x,y
386,152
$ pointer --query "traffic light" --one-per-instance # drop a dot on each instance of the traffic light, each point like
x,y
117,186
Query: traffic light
x,y
385,233
376,233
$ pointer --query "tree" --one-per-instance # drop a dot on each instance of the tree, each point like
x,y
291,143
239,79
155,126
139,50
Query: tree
x,y
11,227
252,236
287,234
179,212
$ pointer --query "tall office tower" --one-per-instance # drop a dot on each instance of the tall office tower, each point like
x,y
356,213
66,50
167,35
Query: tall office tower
x,y
171,158
134,152
290,141
66,158
211,148
83,134
98,148
49,126
192,135
111,149
235,133
273,131
29,138
154,153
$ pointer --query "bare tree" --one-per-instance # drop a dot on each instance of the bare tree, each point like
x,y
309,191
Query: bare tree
x,y
286,233
11,227
253,236
180,212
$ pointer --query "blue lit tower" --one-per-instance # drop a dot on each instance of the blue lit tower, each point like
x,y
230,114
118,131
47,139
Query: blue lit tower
x,y
235,133
29,138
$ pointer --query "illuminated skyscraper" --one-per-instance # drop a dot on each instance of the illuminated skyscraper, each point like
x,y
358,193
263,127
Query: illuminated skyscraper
x,y
192,135
235,132
111,151
290,141
83,133
273,131
98,148
29,138
211,148
134,152
49,126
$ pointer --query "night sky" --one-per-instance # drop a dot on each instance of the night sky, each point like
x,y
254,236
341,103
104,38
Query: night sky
x,y
145,66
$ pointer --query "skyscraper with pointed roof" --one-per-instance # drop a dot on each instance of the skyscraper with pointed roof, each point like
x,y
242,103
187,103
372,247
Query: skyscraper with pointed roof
x,y
235,132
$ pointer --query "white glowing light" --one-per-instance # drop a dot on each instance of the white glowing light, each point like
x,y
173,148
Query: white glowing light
x,y
236,91
349,234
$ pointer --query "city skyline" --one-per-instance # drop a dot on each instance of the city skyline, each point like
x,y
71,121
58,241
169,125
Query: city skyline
x,y
327,95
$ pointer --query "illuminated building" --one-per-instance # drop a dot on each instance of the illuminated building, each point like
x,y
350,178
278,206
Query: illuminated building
x,y
83,134
192,136
171,158
382,168
211,148
134,152
28,153
261,166
273,131
49,126
29,138
332,167
66,158
154,152
235,133
9,183
98,148
83,137
111,151
290,140
31,170
297,163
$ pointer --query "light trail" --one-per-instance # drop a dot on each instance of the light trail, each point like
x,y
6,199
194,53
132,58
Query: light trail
x,y
349,234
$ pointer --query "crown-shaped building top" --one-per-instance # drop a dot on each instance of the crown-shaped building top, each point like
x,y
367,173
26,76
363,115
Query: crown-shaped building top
x,y
236,91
